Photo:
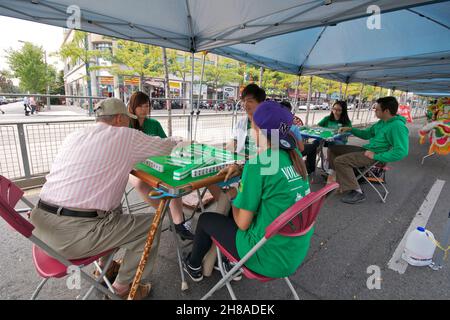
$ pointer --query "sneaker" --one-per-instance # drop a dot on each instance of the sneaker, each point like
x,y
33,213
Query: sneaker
x,y
227,265
353,197
183,230
196,274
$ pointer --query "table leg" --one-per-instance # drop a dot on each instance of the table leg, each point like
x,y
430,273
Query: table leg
x,y
162,208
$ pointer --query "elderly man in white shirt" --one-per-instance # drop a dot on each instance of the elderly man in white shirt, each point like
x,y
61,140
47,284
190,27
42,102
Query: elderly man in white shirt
x,y
79,213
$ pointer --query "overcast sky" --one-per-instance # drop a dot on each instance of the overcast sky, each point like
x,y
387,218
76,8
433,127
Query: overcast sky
x,y
12,30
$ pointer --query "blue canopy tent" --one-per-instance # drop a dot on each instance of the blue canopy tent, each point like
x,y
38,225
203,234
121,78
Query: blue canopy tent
x,y
196,25
410,52
318,37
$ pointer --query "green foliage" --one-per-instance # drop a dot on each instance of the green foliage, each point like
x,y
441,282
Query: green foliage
x,y
28,65
140,60
222,72
6,84
77,51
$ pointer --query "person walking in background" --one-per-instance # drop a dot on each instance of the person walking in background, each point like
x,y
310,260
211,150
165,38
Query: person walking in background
x,y
32,103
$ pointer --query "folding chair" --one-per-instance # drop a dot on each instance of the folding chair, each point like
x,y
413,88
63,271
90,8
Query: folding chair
x,y
131,207
54,266
375,174
294,222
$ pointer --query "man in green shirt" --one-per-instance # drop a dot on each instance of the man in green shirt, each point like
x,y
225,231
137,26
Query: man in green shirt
x,y
388,142
263,195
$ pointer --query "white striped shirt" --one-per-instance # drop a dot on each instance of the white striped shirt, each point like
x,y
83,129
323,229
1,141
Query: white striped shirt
x,y
92,166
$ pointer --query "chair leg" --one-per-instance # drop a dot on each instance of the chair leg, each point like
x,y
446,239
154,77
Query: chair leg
x,y
296,297
222,271
126,200
386,191
38,289
226,278
184,285
362,174
102,276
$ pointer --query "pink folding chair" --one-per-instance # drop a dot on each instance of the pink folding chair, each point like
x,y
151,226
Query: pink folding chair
x,y
54,266
294,222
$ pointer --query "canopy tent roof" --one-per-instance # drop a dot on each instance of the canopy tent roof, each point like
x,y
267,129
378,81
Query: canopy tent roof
x,y
317,37
411,48
197,25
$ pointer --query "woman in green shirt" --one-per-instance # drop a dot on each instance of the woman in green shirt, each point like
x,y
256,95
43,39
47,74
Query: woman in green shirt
x,y
139,105
271,183
338,118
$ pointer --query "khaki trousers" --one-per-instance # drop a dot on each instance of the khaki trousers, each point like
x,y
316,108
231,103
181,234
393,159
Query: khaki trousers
x,y
76,238
343,159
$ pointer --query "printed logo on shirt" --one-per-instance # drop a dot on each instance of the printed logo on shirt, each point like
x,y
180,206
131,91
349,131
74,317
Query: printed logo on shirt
x,y
290,173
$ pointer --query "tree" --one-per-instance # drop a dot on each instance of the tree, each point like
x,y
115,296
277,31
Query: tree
x,y
6,84
77,51
224,71
139,60
57,87
28,65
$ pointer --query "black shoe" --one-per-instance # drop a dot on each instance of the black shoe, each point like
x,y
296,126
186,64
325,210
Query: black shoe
x,y
196,274
184,232
227,265
353,197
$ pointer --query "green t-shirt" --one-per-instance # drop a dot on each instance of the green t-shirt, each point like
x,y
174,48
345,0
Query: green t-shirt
x,y
152,127
332,124
267,196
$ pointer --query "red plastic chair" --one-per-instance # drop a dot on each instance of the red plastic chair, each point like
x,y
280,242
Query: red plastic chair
x,y
294,222
54,266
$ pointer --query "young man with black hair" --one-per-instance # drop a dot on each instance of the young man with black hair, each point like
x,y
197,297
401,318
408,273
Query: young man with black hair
x,y
388,142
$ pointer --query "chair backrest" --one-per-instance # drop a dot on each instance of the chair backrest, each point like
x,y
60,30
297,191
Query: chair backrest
x,y
300,218
10,194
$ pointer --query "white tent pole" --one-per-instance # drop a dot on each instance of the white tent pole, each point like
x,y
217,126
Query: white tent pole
x,y
309,99
261,73
360,99
200,93
297,84
167,93
191,98
345,93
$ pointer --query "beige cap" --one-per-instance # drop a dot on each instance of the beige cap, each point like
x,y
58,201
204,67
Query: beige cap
x,y
110,107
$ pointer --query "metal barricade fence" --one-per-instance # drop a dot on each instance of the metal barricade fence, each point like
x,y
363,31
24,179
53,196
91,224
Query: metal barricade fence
x,y
28,149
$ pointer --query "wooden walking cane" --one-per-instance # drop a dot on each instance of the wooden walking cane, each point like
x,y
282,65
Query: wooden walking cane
x,y
148,246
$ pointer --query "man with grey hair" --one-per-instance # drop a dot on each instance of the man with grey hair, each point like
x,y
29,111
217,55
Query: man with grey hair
x,y
79,213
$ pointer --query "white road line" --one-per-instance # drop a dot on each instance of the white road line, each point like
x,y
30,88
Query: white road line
x,y
397,263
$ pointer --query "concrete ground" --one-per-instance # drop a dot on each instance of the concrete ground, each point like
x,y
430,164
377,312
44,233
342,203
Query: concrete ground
x,y
348,239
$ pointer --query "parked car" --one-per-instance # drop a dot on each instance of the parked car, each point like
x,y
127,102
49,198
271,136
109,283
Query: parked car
x,y
350,106
3,100
325,106
303,107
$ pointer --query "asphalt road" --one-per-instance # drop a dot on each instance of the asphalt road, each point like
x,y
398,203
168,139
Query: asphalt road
x,y
348,239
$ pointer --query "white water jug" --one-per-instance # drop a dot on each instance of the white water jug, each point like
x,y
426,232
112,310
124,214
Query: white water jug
x,y
419,248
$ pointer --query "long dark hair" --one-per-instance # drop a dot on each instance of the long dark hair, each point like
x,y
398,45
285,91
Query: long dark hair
x,y
137,98
297,161
344,119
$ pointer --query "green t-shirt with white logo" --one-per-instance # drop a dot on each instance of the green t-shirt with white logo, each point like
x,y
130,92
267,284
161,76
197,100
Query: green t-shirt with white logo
x,y
267,196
